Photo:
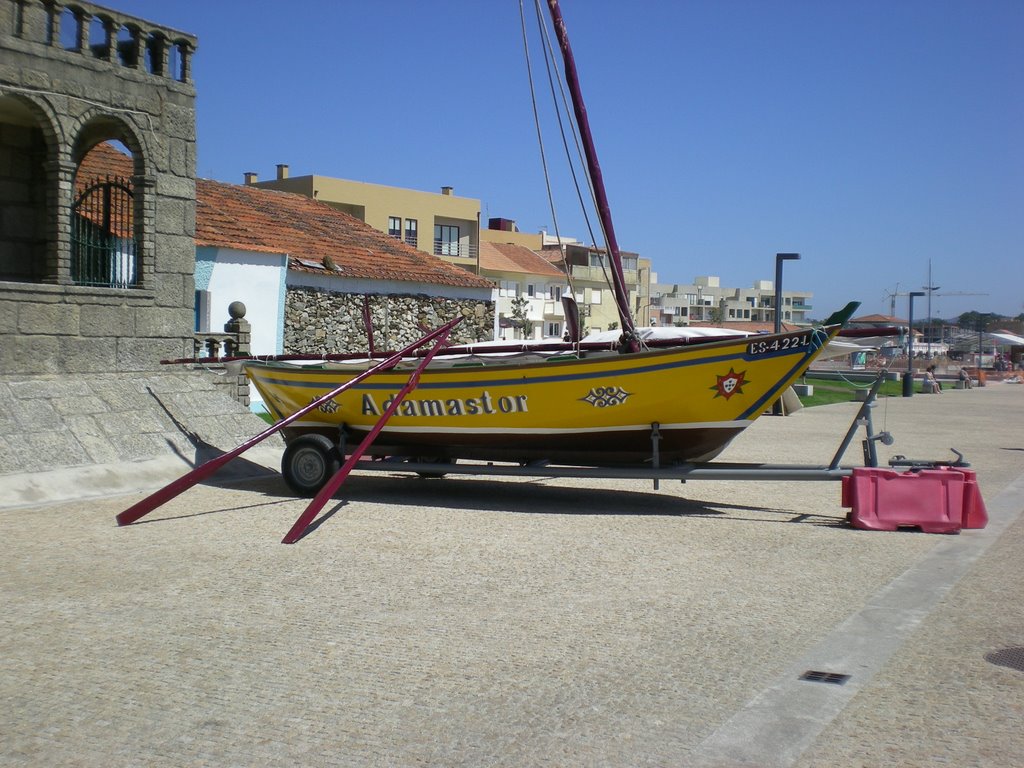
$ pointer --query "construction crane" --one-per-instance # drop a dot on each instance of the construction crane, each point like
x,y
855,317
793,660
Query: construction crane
x,y
891,295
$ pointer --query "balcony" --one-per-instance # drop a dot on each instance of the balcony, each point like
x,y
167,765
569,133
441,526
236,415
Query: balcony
x,y
600,275
455,250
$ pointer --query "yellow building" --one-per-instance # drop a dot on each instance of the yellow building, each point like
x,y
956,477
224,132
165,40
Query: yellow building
x,y
441,223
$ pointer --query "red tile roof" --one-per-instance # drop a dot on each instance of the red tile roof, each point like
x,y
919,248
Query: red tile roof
x,y
268,221
878,319
507,257
251,219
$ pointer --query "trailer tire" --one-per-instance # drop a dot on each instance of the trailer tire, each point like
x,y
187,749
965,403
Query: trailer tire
x,y
308,463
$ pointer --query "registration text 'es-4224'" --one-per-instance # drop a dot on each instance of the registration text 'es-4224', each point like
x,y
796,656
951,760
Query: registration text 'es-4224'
x,y
778,344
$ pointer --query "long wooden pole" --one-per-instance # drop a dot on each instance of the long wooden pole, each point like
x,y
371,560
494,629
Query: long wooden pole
x,y
299,526
603,209
200,473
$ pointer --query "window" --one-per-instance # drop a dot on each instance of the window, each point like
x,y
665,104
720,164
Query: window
x,y
554,329
555,291
103,245
395,226
595,295
531,290
597,259
411,234
446,240
629,262
508,288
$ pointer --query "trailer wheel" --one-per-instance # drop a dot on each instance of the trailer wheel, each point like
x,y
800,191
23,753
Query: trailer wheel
x,y
308,463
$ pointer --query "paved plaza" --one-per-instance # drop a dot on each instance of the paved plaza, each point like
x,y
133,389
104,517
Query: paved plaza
x,y
529,622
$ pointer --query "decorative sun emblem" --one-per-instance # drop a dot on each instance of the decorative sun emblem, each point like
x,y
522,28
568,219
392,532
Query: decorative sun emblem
x,y
329,407
730,384
604,397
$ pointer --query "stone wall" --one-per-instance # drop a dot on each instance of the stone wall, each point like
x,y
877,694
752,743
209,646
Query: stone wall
x,y
319,322
104,433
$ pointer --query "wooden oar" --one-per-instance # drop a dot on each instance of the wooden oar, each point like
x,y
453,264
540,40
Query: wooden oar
x,y
200,473
300,525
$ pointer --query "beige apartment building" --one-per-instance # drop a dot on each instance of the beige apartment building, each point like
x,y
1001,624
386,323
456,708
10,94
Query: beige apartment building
x,y
441,224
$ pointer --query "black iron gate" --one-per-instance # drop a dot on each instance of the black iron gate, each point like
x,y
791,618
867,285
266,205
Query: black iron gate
x,y
103,244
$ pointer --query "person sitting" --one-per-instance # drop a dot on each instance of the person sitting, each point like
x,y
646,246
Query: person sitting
x,y
930,384
965,379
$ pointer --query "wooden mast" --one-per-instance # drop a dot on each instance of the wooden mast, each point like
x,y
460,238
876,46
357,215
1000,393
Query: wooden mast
x,y
628,342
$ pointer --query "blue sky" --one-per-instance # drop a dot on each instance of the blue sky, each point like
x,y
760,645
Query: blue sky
x,y
869,136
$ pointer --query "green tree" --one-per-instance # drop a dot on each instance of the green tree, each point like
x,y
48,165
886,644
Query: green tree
x,y
978,321
520,306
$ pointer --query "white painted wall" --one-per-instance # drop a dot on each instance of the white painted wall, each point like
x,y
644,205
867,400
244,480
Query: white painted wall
x,y
257,280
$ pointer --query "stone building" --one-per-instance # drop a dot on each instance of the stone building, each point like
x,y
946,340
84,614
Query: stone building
x,y
96,274
95,277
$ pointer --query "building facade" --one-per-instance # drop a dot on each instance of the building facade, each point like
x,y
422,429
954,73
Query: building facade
x,y
706,301
529,291
589,275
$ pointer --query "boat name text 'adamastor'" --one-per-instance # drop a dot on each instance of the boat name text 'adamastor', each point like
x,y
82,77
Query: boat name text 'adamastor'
x,y
470,406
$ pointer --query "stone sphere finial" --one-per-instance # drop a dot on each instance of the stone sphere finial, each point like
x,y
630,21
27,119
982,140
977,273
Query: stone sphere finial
x,y
237,310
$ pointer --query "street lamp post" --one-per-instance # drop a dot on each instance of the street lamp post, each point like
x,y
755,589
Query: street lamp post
x,y
908,378
779,258
930,288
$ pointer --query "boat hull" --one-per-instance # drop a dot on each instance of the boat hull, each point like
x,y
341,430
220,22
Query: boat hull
x,y
682,404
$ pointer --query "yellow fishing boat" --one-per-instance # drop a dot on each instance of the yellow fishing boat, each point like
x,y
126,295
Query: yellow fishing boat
x,y
686,403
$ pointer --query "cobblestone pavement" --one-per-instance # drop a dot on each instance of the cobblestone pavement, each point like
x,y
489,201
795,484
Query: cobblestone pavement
x,y
514,622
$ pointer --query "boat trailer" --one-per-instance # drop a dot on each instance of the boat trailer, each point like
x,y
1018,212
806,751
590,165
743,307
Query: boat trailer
x,y
655,472
880,498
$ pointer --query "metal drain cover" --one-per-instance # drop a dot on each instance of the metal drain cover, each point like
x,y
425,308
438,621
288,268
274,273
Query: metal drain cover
x,y
814,676
1008,657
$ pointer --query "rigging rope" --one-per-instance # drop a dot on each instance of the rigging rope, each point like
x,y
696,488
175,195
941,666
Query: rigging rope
x,y
554,76
543,156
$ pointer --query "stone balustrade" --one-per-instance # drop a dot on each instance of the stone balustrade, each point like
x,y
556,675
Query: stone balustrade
x,y
101,33
234,341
